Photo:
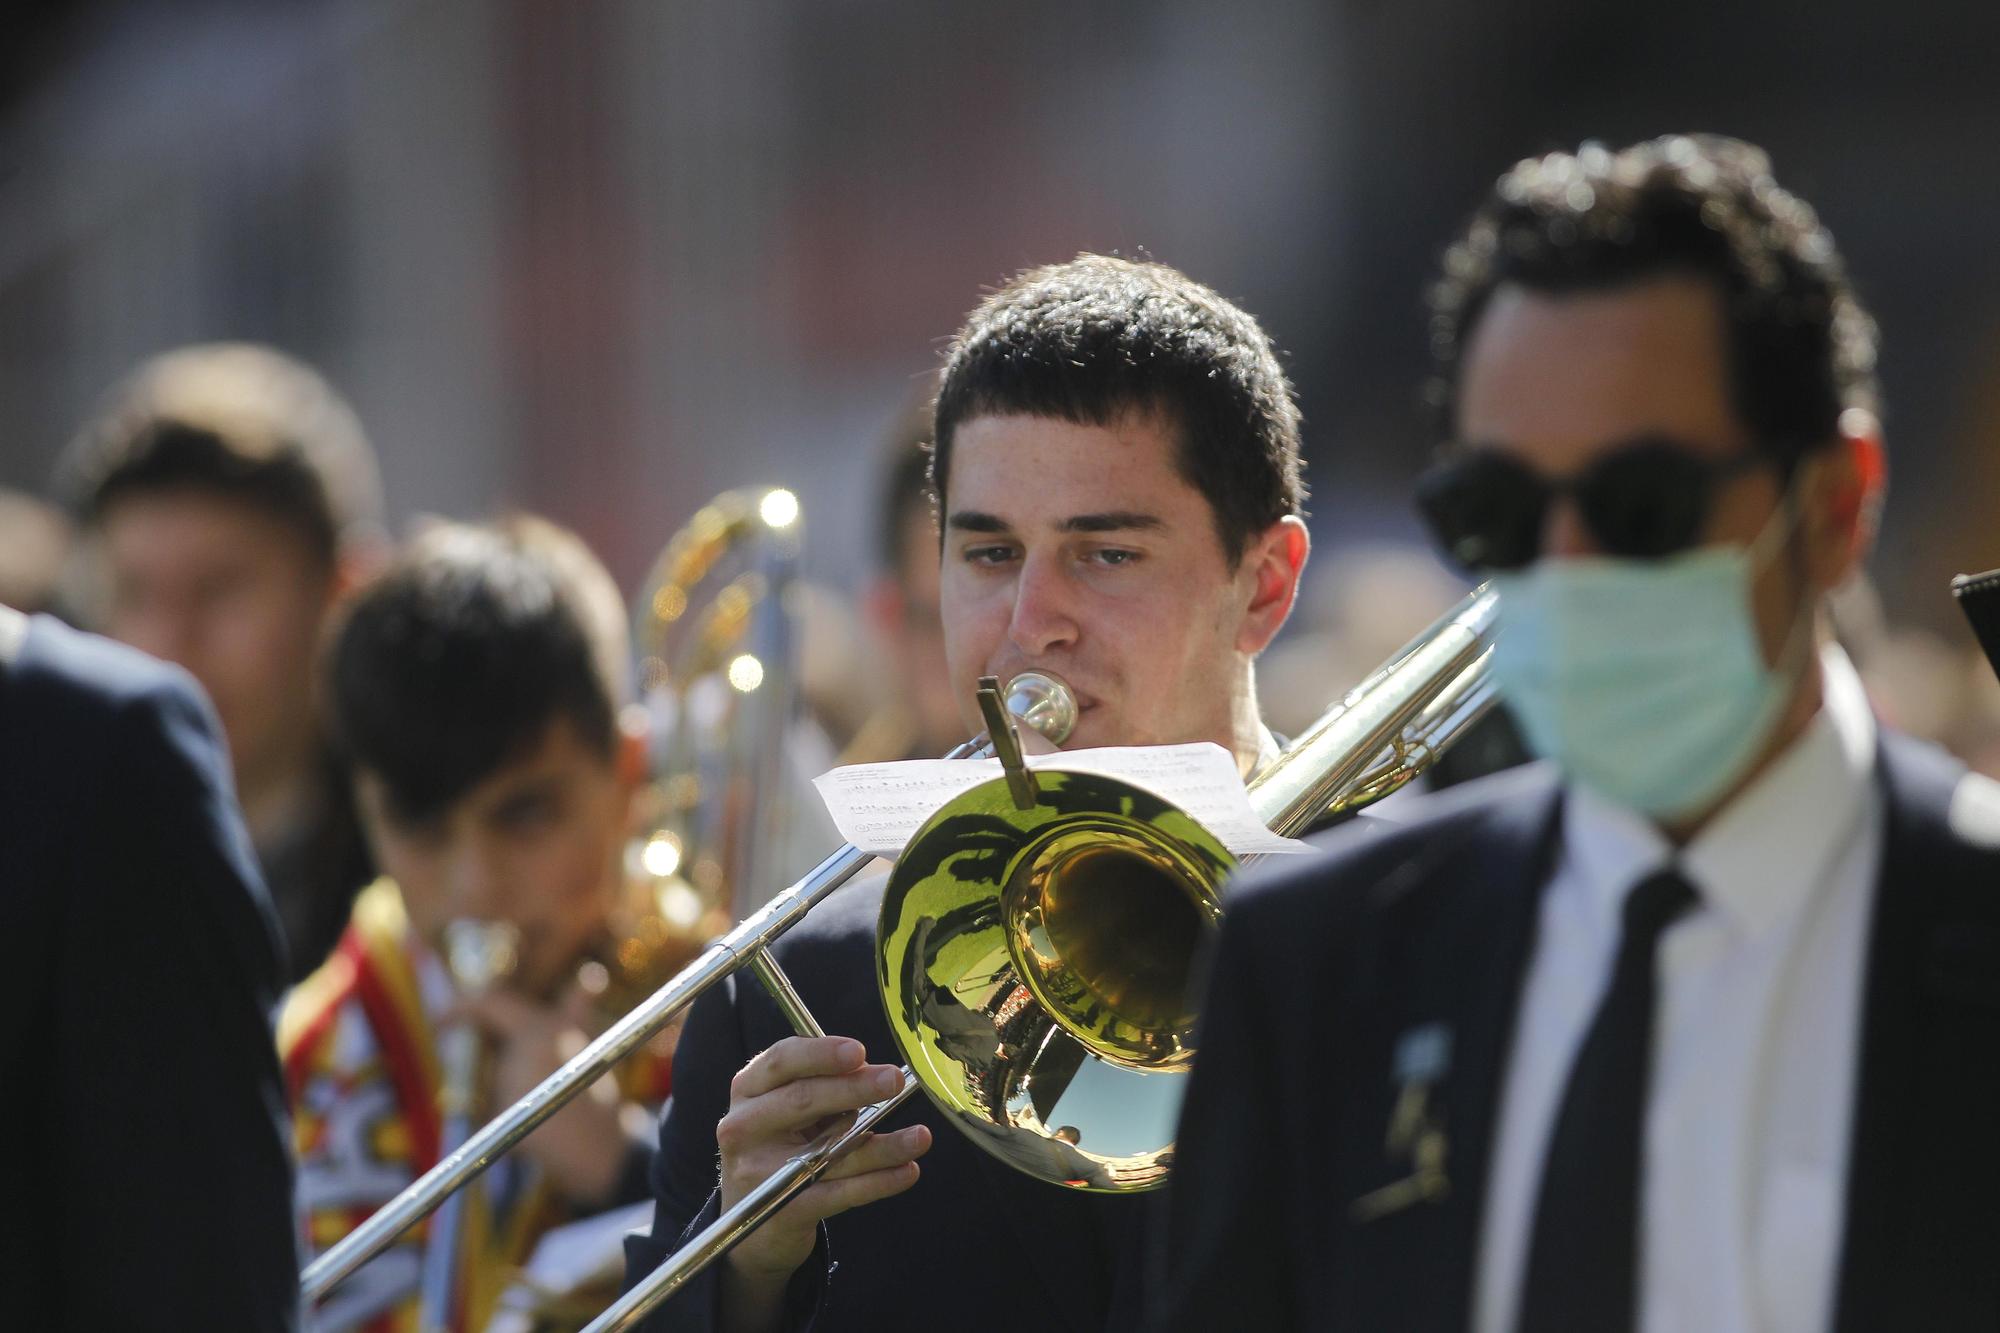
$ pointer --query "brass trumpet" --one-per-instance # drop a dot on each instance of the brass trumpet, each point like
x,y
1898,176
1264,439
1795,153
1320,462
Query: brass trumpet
x,y
478,955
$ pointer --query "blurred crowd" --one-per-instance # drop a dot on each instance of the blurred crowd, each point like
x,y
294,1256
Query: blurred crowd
x,y
469,721
530,275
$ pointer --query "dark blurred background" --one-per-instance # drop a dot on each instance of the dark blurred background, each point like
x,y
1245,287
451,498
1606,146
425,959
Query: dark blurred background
x,y
602,260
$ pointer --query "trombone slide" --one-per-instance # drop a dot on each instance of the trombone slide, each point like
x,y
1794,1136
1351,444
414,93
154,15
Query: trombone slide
x,y
749,1213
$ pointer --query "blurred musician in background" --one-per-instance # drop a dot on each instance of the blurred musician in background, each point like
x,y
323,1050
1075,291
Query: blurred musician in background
x,y
231,501
919,717
1689,1028
147,1182
1117,459
476,688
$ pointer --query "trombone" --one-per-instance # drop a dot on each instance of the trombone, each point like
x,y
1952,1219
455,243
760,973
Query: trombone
x,y
1033,699
1371,742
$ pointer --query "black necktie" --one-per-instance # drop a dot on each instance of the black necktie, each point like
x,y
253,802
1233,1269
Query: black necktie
x,y
1581,1275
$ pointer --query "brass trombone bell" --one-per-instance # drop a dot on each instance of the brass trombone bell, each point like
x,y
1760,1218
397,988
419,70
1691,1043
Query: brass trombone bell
x,y
1034,965
1039,936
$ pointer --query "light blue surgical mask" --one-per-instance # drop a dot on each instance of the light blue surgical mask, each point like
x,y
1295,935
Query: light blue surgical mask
x,y
1643,678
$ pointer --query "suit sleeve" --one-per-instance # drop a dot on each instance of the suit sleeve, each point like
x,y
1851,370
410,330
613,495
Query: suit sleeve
x,y
167,1070
686,1198
1221,1255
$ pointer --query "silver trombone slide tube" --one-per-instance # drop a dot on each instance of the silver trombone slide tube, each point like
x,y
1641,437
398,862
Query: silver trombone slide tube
x,y
749,1213
732,952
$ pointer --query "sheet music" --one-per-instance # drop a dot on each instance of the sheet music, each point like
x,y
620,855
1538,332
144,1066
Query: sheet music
x,y
880,807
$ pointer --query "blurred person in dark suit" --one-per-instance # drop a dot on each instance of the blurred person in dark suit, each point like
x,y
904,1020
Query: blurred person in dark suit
x,y
231,501
1117,463
147,1182
1689,1028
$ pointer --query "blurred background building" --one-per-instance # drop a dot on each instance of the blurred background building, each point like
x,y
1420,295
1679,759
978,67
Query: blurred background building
x,y
602,260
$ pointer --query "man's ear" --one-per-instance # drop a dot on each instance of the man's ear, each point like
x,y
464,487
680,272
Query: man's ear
x,y
1272,563
1845,503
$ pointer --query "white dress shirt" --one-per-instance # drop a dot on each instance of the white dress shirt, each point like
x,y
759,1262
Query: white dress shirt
x,y
1750,1106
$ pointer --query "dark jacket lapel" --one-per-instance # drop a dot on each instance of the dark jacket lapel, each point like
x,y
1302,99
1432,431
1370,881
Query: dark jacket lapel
x,y
1463,945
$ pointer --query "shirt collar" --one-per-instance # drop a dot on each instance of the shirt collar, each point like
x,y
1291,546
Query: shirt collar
x,y
1761,856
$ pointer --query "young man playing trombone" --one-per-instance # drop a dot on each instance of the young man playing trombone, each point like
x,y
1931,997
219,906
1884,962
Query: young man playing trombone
x,y
1116,460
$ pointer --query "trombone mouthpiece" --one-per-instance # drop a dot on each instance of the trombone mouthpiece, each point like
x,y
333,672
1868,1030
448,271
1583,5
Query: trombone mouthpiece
x,y
1043,701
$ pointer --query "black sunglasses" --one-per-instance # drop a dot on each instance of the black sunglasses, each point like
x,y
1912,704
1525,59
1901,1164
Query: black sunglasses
x,y
1486,509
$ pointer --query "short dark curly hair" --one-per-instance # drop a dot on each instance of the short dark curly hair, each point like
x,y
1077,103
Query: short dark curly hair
x,y
1098,337
1801,349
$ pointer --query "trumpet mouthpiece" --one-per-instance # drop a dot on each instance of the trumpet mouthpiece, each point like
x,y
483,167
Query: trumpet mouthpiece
x,y
479,954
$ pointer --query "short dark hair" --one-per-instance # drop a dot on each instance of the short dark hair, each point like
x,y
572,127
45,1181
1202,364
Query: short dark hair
x,y
235,420
1801,349
460,657
1099,337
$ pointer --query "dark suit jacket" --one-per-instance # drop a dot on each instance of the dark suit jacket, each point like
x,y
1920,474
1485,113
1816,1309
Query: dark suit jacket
x,y
974,1245
1324,967
145,1181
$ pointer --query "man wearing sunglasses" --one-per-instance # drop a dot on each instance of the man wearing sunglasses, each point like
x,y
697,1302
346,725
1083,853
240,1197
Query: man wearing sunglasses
x,y
1692,1026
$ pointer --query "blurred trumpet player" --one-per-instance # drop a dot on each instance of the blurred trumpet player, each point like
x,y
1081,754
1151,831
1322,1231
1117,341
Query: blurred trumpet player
x,y
1118,467
229,502
477,689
